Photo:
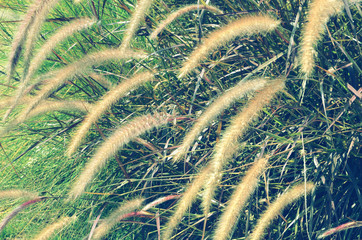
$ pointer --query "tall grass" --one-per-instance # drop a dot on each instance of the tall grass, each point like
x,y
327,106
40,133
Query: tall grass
x,y
96,68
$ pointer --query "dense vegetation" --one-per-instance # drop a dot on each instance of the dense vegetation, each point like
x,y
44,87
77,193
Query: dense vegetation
x,y
309,131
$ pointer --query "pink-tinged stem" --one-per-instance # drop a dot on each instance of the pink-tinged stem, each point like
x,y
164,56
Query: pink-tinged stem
x,y
342,227
5,221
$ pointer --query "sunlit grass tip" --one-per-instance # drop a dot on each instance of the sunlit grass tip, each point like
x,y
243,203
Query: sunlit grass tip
x,y
319,13
137,16
277,206
229,142
105,103
121,136
181,12
244,26
239,199
221,103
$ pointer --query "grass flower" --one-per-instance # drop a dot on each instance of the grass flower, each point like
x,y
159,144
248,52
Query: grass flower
x,y
138,15
244,26
222,102
319,13
239,198
123,135
105,103
44,51
188,197
228,144
77,67
181,12
277,206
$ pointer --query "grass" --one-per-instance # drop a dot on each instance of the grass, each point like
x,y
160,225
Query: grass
x,y
311,130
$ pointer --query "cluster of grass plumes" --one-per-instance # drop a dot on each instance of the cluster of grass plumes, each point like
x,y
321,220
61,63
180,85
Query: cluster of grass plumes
x,y
104,87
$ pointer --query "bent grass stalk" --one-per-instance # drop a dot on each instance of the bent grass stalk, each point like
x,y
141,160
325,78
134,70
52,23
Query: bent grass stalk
x,y
277,206
101,106
188,197
123,135
44,51
228,145
239,198
319,13
137,16
244,26
221,103
76,68
109,222
47,232
13,213
181,12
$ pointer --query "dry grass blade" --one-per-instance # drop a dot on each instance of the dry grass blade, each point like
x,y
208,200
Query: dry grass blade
x,y
228,145
277,206
181,12
117,140
102,105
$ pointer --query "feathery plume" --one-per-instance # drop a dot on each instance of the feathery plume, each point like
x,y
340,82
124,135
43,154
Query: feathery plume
x,y
102,105
101,80
47,232
34,30
181,12
108,223
228,144
188,197
137,16
319,13
44,51
244,26
123,135
17,193
20,36
48,106
77,67
239,198
13,213
277,206
221,103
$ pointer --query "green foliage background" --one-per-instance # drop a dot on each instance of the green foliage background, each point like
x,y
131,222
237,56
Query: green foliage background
x,y
320,135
